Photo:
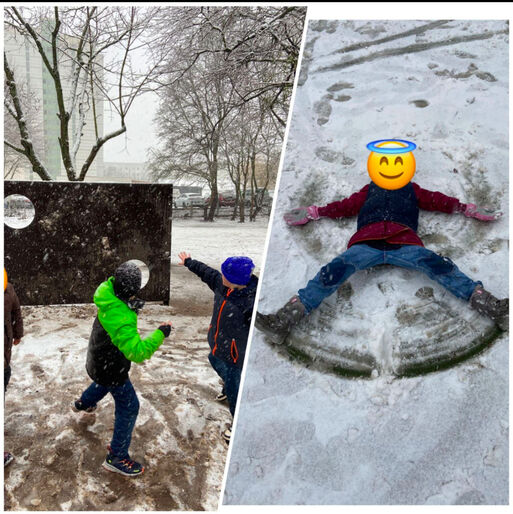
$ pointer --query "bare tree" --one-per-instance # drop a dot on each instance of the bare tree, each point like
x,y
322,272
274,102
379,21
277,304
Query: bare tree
x,y
14,159
251,149
191,119
239,149
263,43
75,45
264,169
240,62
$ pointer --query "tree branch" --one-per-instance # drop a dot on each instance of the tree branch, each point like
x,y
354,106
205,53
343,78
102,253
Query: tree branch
x,y
25,140
17,149
96,148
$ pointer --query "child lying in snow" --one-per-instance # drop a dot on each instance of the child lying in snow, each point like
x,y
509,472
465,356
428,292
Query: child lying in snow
x,y
114,344
388,212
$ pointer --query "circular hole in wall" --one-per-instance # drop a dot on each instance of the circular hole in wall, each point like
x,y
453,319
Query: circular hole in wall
x,y
19,211
145,271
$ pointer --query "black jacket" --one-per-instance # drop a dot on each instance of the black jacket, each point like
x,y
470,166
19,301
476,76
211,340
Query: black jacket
x,y
105,364
231,317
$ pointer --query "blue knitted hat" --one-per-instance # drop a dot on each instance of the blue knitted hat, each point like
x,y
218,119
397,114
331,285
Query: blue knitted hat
x,y
238,270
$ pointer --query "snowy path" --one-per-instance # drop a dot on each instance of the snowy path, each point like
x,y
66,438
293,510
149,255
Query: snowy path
x,y
177,435
308,436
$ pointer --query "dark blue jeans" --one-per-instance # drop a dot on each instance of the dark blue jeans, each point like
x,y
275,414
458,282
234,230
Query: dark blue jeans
x,y
361,256
127,408
230,375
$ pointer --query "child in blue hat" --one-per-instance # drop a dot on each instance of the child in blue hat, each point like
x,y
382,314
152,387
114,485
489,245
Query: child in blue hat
x,y
234,296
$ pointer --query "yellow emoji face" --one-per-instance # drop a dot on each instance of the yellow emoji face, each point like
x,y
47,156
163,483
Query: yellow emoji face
x,y
391,169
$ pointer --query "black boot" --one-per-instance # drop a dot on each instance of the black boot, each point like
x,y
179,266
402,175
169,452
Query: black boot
x,y
485,303
279,324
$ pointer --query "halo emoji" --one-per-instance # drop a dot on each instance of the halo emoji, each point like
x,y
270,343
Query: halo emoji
x,y
373,146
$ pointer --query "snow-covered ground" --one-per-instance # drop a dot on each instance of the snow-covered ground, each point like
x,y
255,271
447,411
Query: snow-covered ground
x,y
18,221
306,436
177,435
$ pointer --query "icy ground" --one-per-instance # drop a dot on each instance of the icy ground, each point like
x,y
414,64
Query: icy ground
x,y
177,435
306,435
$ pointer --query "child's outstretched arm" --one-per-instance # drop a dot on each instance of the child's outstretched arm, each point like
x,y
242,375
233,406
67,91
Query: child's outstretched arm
x,y
436,201
344,208
124,335
210,276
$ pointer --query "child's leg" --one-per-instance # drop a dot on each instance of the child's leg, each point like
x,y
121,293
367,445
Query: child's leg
x,y
332,275
93,394
217,365
127,408
7,377
231,385
441,269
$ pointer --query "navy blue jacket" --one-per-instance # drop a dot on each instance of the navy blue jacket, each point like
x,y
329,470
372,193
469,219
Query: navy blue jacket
x,y
398,205
231,317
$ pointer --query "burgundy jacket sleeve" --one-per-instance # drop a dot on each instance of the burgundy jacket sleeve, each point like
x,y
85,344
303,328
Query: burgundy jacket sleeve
x,y
436,201
344,208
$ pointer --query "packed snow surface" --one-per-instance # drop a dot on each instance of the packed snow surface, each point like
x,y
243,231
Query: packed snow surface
x,y
58,454
306,436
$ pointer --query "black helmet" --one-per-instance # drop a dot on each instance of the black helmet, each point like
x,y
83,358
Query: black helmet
x,y
127,280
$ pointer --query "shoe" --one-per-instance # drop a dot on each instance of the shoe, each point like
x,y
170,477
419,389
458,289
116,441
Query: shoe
x,y
485,303
126,467
78,406
227,434
278,325
221,396
8,458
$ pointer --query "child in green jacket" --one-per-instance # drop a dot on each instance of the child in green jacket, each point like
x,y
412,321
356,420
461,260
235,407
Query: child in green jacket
x,y
114,344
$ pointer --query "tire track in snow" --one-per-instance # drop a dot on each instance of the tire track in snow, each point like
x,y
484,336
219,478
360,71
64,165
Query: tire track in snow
x,y
400,35
409,49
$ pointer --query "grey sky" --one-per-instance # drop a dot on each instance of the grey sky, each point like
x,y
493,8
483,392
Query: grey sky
x,y
133,145
140,135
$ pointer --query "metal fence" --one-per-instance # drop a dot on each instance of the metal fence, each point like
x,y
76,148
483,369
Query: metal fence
x,y
201,212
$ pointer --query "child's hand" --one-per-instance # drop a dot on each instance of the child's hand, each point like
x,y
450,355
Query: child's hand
x,y
481,213
16,341
183,256
301,215
165,328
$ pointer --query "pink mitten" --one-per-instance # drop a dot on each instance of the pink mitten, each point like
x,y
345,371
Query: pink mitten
x,y
301,215
481,213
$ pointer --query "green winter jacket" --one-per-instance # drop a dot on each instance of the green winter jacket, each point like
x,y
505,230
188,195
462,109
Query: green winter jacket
x,y
120,323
